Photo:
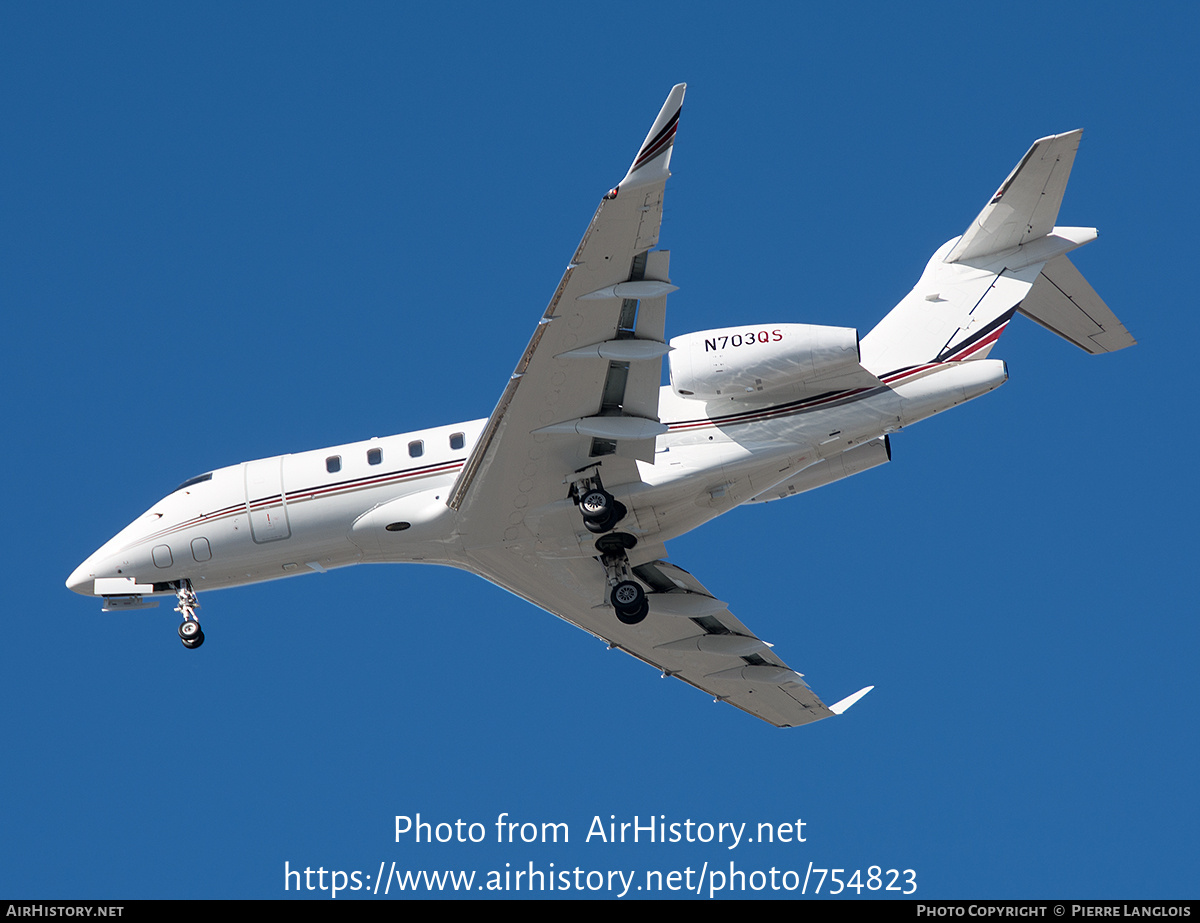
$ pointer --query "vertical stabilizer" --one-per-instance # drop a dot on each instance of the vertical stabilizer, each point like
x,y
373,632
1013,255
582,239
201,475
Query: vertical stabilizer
x,y
1012,258
1026,205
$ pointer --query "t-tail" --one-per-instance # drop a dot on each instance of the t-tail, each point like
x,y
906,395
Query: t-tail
x,y
1011,259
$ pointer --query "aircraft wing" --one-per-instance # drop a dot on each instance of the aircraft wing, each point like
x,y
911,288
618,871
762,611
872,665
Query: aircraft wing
x,y
586,388
584,397
689,634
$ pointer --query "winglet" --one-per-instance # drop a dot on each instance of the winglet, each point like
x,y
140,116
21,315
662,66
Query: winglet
x,y
839,708
654,156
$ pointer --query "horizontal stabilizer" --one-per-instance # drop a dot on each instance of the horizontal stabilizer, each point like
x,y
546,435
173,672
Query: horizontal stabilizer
x,y
1063,302
839,708
1026,205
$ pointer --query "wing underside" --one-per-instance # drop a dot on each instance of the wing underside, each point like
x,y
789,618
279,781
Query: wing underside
x,y
689,634
585,391
583,402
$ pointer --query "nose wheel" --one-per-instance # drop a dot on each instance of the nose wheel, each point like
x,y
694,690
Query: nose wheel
x,y
190,634
189,629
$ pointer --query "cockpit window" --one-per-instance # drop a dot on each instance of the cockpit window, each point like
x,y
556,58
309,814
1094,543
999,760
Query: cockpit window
x,y
196,480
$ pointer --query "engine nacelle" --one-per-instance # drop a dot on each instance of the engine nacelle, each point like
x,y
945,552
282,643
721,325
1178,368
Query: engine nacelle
x,y
743,362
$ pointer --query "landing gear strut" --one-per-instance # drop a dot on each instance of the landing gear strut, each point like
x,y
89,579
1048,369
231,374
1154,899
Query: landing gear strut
x,y
189,629
627,597
601,512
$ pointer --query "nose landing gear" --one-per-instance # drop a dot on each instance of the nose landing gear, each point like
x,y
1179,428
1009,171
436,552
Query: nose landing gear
x,y
189,629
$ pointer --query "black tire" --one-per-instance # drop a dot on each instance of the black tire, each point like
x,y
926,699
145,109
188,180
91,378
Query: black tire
x,y
192,643
599,526
628,597
189,629
632,618
597,505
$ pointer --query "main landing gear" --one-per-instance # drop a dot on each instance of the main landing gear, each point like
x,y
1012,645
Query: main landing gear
x,y
629,600
601,512
626,595
189,629
600,509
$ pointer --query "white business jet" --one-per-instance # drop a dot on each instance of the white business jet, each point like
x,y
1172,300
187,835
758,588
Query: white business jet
x,y
566,494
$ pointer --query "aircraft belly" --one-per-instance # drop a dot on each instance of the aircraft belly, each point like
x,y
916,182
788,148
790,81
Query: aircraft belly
x,y
417,526
696,477
690,505
556,530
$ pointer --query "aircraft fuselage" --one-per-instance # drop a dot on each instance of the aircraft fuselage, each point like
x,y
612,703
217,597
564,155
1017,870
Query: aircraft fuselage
x,y
384,500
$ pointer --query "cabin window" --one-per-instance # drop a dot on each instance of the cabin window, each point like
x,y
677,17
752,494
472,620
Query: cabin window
x,y
457,440
416,449
374,456
162,556
201,550
333,463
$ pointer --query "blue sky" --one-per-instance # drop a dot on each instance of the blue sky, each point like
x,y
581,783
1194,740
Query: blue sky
x,y
229,233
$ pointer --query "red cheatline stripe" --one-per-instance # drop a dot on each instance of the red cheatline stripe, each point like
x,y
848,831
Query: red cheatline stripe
x,y
377,480
657,143
752,416
346,487
651,154
975,347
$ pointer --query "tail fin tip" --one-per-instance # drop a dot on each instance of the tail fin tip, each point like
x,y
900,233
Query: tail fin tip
x,y
1026,205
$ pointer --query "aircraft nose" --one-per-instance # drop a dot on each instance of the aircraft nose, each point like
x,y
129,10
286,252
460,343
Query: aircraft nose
x,y
81,580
